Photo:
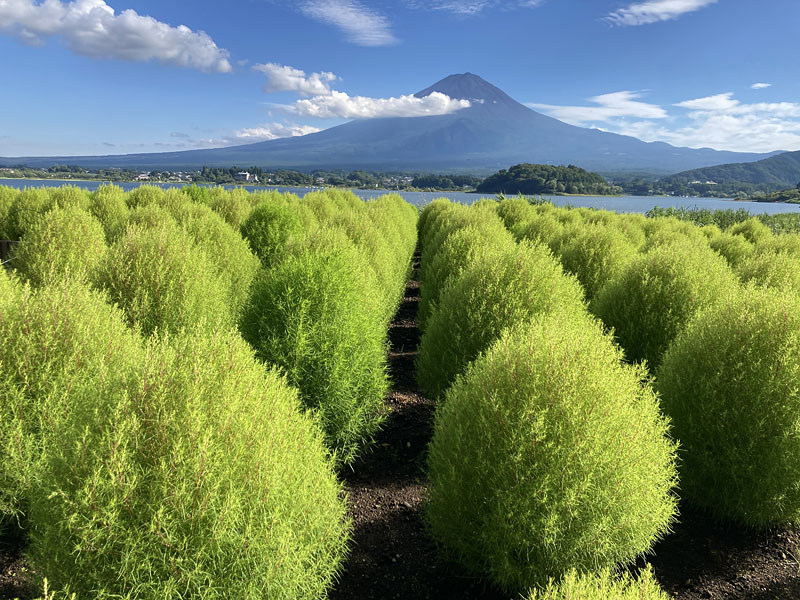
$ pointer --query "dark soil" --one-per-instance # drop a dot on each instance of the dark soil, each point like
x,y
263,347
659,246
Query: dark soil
x,y
393,556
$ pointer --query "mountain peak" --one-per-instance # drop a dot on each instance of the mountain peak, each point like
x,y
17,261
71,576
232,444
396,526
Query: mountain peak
x,y
468,86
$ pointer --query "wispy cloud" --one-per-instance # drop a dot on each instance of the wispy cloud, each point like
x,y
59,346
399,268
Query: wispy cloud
x,y
609,106
92,28
281,78
653,11
260,133
472,7
339,105
361,25
760,86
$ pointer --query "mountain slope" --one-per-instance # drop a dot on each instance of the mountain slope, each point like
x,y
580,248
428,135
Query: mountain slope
x,y
494,132
781,171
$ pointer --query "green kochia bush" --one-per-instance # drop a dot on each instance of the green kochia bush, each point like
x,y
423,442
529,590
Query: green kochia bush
x,y
201,479
656,295
7,197
108,206
52,340
550,454
602,586
315,315
64,242
273,229
730,384
770,269
496,291
163,280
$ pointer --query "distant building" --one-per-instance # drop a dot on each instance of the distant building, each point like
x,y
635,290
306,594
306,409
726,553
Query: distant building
x,y
143,177
245,176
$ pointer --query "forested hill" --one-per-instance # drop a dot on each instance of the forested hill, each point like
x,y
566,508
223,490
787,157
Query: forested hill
x,y
777,172
533,179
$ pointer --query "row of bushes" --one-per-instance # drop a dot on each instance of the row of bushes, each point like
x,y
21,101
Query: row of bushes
x,y
549,454
145,450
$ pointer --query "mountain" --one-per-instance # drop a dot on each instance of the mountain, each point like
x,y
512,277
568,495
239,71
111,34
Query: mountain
x,y
777,172
494,132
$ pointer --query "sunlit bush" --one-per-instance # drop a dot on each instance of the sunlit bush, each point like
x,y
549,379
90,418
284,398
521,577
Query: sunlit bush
x,y
549,454
602,586
729,383
496,291
108,206
65,242
234,206
28,206
200,479
734,248
145,195
316,315
8,196
163,280
657,294
752,230
273,229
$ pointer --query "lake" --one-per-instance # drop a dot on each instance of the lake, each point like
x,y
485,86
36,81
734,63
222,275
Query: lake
x,y
638,204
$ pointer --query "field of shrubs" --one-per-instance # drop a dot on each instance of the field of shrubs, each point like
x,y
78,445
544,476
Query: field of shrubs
x,y
185,375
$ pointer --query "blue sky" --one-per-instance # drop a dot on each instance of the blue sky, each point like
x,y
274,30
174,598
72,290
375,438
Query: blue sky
x,y
121,76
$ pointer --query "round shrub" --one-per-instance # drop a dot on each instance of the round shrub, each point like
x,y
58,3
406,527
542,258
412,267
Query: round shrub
x,y
228,252
657,294
550,454
273,229
596,254
200,480
312,315
729,383
29,205
786,243
753,230
145,195
52,340
108,206
233,206
665,231
496,291
162,280
779,271
65,242
457,252
8,196
602,586
543,228
734,248
150,216
513,210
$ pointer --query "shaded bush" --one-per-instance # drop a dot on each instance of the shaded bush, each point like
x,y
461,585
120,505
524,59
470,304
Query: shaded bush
x,y
65,242
524,484
729,383
199,480
8,196
52,340
657,294
496,291
602,586
162,280
316,315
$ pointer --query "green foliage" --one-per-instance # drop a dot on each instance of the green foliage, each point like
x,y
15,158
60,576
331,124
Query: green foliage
x,y
513,211
65,242
233,206
496,291
524,482
771,269
752,230
197,479
29,205
316,315
273,229
722,218
602,586
145,195
734,248
163,280
8,196
595,255
657,294
108,206
729,383
533,179
52,340
670,230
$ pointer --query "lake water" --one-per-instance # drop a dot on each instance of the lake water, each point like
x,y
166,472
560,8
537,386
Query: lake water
x,y
638,204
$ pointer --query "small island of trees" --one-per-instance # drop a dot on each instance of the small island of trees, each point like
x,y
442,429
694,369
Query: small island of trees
x,y
530,179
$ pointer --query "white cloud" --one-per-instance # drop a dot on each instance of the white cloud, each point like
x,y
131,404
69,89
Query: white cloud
x,y
361,25
339,105
609,106
760,86
281,78
726,104
260,133
653,11
718,102
471,7
92,28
